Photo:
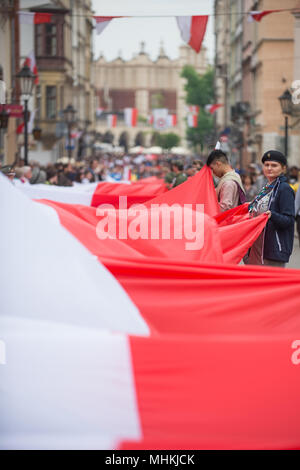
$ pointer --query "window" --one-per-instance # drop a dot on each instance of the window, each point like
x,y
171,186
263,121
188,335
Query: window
x,y
50,102
39,39
38,102
50,39
46,39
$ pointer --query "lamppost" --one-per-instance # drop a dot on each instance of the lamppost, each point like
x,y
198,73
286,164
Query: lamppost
x,y
286,107
27,79
4,116
69,115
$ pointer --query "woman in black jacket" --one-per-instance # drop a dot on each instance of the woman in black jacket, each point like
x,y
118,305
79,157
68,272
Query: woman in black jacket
x,y
274,246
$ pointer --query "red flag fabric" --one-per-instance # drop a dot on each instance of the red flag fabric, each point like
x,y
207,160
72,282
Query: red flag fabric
x,y
259,15
136,193
31,63
220,369
192,29
192,120
40,18
211,108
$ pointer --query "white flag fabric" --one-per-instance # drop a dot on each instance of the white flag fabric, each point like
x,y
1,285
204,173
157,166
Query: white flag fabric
x,y
192,120
130,117
102,22
172,120
111,120
47,262
160,118
192,29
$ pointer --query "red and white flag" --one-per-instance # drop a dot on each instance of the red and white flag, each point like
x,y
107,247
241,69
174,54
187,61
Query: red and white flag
x,y
112,120
192,120
99,111
258,15
27,17
20,128
150,378
160,118
31,63
192,29
103,21
172,120
212,108
130,116
193,109
150,120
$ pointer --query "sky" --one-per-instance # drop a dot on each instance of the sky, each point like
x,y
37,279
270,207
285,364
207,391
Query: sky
x,y
124,35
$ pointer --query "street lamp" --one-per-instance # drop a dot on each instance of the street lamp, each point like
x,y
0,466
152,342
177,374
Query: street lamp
x,y
4,116
286,107
69,114
27,79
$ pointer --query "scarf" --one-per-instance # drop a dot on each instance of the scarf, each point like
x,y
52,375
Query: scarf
x,y
265,190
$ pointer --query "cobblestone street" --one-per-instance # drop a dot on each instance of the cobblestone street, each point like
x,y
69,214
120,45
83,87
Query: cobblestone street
x,y
295,258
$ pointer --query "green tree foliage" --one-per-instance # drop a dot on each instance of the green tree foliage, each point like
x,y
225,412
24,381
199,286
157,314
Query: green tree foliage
x,y
199,91
169,140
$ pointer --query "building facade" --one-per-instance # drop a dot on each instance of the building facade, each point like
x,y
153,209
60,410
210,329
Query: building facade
x,y
64,59
9,60
260,63
144,84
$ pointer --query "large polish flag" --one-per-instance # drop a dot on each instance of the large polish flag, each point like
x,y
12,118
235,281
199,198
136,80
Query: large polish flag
x,y
111,120
95,350
130,116
192,29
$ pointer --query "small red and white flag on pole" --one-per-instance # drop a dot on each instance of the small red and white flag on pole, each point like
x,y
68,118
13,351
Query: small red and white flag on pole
x,y
31,63
112,120
172,120
258,15
20,128
150,120
192,120
212,108
103,21
130,116
27,17
192,29
193,109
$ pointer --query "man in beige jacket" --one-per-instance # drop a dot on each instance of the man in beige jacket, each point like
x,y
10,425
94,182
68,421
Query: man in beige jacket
x,y
230,190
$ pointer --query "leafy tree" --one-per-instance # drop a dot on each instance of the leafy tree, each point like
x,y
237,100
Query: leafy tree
x,y
155,138
169,140
199,91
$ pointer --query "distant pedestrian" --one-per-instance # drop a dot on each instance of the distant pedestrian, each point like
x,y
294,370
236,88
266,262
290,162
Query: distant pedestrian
x,y
230,190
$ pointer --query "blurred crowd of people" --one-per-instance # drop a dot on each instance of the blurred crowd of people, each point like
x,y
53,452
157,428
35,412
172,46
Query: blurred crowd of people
x,y
107,167
110,167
